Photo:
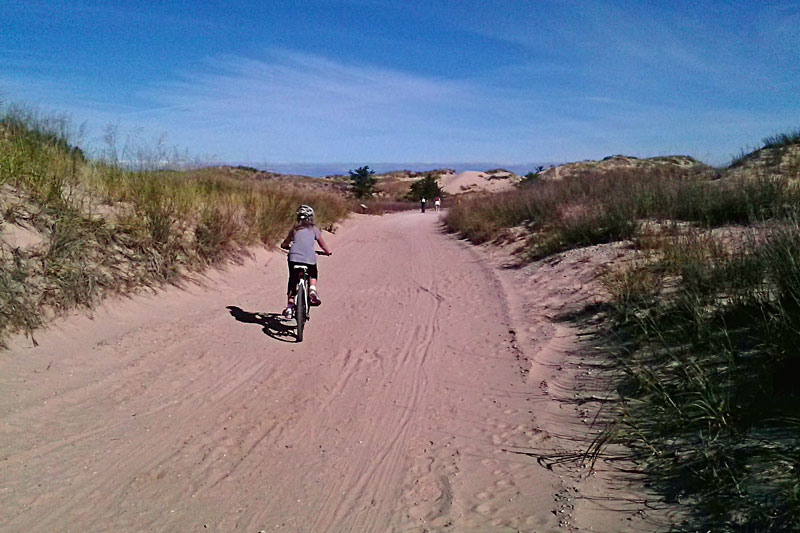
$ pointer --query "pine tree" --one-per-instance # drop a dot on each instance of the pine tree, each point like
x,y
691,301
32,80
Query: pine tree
x,y
427,187
362,181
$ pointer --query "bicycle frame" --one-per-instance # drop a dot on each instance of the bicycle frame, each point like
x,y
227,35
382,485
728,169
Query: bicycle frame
x,y
302,309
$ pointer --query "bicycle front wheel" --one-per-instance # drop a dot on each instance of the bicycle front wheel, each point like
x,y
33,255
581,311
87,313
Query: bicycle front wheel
x,y
300,310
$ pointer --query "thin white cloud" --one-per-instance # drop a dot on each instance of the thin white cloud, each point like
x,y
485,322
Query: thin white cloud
x,y
301,83
290,106
307,104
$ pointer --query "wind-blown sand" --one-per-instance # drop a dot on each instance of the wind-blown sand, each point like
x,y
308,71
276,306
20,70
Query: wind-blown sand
x,y
427,396
471,181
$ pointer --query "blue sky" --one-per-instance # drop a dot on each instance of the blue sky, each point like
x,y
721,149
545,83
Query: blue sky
x,y
412,81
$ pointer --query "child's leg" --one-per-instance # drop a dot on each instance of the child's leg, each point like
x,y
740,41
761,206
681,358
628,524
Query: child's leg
x,y
291,286
312,292
313,275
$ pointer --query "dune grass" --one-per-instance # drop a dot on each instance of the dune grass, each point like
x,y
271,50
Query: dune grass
x,y
708,342
603,207
774,146
108,228
703,326
782,139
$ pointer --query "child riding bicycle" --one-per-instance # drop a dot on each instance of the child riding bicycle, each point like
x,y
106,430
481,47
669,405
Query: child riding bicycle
x,y
300,243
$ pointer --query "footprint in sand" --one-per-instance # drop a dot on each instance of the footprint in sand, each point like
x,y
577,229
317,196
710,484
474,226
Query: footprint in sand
x,y
485,509
428,492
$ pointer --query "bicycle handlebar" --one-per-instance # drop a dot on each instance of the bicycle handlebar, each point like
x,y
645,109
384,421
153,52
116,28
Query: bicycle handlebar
x,y
318,252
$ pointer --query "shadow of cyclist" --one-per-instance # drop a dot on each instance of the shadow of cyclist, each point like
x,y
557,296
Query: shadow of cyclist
x,y
273,324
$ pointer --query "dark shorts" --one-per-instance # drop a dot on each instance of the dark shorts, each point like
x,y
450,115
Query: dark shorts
x,y
294,275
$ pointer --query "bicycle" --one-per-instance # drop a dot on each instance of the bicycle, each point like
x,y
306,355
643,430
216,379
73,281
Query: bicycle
x,y
302,310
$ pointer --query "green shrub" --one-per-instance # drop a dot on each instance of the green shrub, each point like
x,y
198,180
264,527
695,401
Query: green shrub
x,y
427,187
363,181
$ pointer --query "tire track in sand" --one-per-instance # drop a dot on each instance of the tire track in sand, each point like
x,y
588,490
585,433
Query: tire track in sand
x,y
375,482
390,416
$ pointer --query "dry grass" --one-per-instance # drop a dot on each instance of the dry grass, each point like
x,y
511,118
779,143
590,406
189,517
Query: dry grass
x,y
601,207
706,339
703,326
107,228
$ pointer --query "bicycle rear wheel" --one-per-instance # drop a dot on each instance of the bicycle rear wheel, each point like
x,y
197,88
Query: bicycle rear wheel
x,y
300,310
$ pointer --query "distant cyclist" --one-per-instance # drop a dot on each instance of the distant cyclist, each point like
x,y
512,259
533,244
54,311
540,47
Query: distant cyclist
x,y
300,243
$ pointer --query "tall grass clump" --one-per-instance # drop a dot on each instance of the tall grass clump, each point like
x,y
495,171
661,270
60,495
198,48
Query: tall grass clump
x,y
709,351
579,211
595,208
108,227
739,201
782,139
35,153
772,151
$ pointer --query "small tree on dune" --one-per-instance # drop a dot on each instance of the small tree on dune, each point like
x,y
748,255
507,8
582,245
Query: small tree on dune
x,y
362,181
532,177
427,187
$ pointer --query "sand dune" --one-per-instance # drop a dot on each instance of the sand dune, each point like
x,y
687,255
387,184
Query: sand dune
x,y
473,181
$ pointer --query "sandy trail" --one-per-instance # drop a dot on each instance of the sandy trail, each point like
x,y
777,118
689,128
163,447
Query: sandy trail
x,y
185,410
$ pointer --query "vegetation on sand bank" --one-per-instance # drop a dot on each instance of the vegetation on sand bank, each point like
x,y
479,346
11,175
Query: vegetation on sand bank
x,y
593,208
106,228
702,323
705,340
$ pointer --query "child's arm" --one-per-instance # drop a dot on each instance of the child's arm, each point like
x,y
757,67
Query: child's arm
x,y
287,242
323,245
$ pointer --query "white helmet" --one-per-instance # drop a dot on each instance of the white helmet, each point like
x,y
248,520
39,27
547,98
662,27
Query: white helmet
x,y
305,212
